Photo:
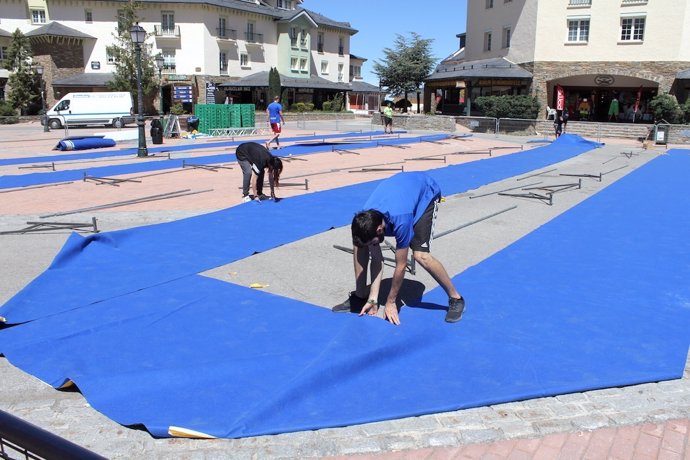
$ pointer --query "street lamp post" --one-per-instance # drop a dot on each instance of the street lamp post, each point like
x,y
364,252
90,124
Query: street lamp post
x,y
160,62
39,71
138,35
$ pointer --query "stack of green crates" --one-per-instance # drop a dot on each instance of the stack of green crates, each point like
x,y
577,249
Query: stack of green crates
x,y
224,116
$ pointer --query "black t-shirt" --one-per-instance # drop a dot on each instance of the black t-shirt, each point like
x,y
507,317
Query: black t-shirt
x,y
254,153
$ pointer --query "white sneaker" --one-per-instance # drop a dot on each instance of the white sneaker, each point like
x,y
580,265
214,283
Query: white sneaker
x,y
246,199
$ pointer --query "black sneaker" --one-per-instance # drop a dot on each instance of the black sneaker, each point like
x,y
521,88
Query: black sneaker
x,y
353,304
456,307
263,197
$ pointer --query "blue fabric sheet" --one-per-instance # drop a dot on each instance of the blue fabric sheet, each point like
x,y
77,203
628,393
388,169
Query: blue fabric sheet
x,y
156,164
84,143
598,297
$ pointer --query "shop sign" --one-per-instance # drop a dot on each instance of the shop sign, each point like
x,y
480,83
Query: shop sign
x,y
182,93
604,80
175,77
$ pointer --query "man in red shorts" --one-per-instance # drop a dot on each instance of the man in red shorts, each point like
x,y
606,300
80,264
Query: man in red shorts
x,y
275,119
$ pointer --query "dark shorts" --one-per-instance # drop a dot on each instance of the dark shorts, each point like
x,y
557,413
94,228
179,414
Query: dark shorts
x,y
424,229
387,121
276,128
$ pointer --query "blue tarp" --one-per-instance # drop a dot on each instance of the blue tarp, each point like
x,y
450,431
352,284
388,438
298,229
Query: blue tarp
x,y
598,297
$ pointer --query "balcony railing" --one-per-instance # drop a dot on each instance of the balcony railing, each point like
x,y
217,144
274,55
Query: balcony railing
x,y
226,34
634,2
253,37
580,3
341,51
171,32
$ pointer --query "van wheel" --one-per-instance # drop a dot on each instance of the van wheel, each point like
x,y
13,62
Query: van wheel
x,y
54,123
118,123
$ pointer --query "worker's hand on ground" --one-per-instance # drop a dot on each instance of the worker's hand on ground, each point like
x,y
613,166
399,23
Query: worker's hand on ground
x,y
391,313
369,309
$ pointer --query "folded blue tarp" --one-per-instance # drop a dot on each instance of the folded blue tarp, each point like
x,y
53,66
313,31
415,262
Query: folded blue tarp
x,y
84,143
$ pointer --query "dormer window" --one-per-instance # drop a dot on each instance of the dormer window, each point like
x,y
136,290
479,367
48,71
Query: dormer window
x,y
284,4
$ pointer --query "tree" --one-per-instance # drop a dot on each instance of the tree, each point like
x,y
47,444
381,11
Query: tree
x,y
406,65
273,84
124,54
24,86
666,108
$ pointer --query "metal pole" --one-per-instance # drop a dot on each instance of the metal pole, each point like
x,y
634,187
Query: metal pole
x,y
160,91
142,151
43,105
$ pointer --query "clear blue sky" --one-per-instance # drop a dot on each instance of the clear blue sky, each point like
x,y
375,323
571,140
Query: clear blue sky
x,y
378,22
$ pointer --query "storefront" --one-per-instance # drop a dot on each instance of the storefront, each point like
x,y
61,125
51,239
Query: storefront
x,y
453,86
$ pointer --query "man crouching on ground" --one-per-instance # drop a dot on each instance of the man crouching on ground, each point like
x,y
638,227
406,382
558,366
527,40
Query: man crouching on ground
x,y
403,206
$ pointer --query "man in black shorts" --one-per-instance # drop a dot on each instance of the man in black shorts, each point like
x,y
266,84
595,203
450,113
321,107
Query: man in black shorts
x,y
403,206
255,159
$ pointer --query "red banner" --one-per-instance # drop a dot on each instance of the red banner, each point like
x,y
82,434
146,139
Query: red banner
x,y
637,101
560,98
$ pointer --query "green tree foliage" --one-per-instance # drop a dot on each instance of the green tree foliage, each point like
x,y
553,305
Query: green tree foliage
x,y
273,84
24,84
8,114
508,106
124,53
686,111
406,65
666,107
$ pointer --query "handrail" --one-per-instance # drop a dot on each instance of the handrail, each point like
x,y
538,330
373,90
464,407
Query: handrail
x,y
15,432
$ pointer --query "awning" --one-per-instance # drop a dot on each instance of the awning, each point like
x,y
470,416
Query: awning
x,y
484,68
56,29
260,79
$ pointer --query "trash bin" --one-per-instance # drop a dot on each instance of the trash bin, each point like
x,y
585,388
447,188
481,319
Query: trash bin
x,y
156,131
192,123
661,134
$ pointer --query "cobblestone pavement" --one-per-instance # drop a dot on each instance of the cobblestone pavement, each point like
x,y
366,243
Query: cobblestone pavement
x,y
644,421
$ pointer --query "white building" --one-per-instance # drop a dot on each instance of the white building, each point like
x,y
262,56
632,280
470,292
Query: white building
x,y
599,50
229,45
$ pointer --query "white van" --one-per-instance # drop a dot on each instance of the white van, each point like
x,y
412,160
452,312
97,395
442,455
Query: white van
x,y
110,109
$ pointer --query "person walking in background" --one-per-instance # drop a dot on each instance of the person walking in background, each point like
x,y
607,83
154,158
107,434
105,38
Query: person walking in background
x,y
403,206
274,111
254,159
388,119
558,124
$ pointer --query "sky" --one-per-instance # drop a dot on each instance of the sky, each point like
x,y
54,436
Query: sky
x,y
378,22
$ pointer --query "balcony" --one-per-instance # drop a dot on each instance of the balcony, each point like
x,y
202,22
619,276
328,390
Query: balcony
x,y
341,51
253,37
226,34
319,47
166,32
584,3
634,2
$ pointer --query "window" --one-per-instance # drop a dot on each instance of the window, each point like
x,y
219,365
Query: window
x,y
222,31
303,39
293,36
250,32
489,4
38,16
324,67
167,23
341,46
578,30
222,57
320,40
355,71
3,55
303,65
340,71
88,16
632,29
487,41
168,60
244,60
110,59
284,4
506,37
293,63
